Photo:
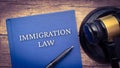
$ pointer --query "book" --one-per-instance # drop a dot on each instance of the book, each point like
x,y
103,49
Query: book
x,y
34,41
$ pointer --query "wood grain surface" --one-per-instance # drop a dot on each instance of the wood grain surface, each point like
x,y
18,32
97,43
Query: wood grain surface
x,y
20,8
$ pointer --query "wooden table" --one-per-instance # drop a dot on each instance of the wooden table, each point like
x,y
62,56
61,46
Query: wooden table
x,y
19,8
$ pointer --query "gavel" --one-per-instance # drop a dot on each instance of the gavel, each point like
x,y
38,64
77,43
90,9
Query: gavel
x,y
98,33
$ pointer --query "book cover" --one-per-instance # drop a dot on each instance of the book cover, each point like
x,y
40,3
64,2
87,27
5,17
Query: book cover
x,y
34,41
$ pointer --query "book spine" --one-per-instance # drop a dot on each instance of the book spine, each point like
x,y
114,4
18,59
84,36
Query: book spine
x,y
10,35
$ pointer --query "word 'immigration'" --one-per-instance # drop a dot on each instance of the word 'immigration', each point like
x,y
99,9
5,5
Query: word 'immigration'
x,y
41,35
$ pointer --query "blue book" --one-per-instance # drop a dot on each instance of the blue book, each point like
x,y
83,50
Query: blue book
x,y
34,41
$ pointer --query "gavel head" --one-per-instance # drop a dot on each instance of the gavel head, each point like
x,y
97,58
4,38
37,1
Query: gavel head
x,y
103,28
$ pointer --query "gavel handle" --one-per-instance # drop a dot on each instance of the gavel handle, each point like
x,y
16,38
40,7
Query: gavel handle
x,y
112,55
114,63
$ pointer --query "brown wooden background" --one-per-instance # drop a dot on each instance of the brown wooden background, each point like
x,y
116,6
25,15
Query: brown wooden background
x,y
19,8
